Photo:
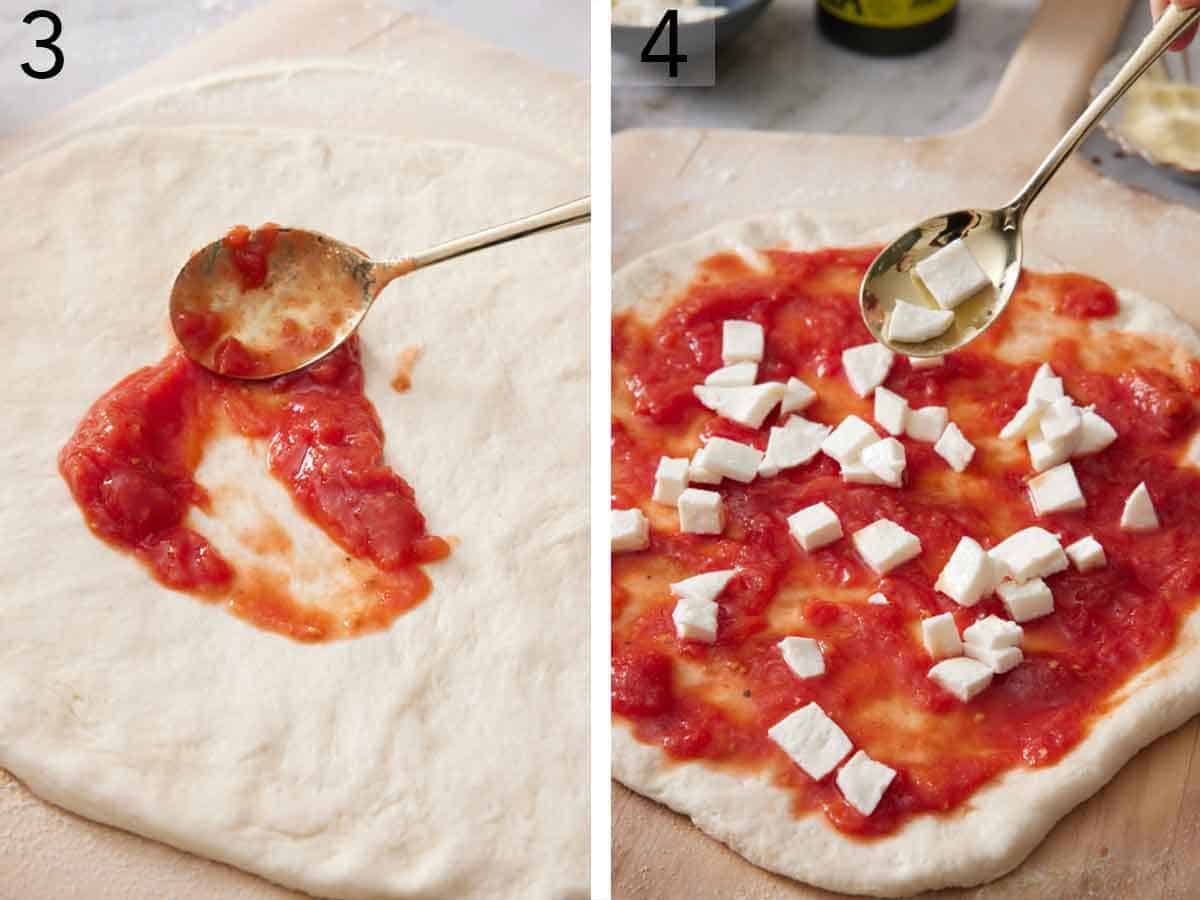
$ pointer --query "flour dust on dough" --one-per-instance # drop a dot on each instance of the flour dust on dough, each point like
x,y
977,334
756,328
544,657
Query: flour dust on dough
x,y
1006,820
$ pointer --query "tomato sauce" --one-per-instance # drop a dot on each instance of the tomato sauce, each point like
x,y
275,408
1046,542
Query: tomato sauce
x,y
714,703
131,462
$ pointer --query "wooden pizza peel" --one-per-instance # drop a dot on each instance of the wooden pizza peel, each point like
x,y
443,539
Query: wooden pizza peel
x,y
1140,836
49,854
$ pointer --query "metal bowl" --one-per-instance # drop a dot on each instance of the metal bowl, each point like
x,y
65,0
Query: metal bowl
x,y
1174,68
630,39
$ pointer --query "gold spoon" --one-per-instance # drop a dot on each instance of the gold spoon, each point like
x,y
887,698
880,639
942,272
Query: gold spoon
x,y
993,236
261,304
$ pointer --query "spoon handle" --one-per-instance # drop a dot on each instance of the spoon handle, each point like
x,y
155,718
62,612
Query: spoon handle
x,y
1173,23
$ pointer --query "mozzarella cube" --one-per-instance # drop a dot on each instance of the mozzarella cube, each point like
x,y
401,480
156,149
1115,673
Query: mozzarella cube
x,y
730,459
741,342
940,636
863,781
797,396
969,575
697,474
878,599
1139,513
867,367
927,423
926,362
670,480
911,324
1056,490
1025,422
803,656
884,545
1028,600
695,620
815,526
994,633
856,472
954,448
701,512
1030,553
1047,388
848,440
741,374
951,275
1087,554
962,676
1095,433
793,444
812,740
630,530
747,406
703,588
891,411
886,460
1044,455
1191,454
1000,660
1061,422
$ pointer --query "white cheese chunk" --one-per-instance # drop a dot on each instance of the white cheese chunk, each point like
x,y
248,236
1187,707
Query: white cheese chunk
x,y
1030,553
877,599
1056,490
994,633
867,367
1027,600
697,474
812,740
856,472
863,781
793,444
891,411
741,342
1191,454
670,480
741,374
747,406
927,423
695,620
1044,455
884,545
1025,422
803,656
630,530
797,396
1087,554
951,275
847,441
730,459
815,526
1095,434
912,324
886,460
962,676
1000,660
1047,388
969,575
701,512
705,587
1139,513
940,636
1061,423
926,362
954,448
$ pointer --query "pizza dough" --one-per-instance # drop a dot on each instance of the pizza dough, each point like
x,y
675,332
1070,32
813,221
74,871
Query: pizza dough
x,y
1002,823
432,758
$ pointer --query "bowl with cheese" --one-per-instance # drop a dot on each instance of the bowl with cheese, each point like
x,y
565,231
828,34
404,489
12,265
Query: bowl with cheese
x,y
634,21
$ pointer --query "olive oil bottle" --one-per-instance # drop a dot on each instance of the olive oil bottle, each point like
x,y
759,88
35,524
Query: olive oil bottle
x,y
887,27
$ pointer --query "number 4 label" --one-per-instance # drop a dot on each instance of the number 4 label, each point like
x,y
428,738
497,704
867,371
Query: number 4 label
x,y
669,21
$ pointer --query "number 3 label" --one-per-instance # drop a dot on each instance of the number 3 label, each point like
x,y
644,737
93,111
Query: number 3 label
x,y
46,43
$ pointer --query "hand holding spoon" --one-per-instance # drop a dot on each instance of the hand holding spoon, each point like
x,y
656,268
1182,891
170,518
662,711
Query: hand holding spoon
x,y
261,304
993,236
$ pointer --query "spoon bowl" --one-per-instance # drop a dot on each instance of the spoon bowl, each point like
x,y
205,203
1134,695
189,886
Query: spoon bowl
x,y
994,239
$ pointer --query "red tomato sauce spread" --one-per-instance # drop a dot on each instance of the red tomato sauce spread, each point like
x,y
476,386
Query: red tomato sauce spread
x,y
714,703
130,466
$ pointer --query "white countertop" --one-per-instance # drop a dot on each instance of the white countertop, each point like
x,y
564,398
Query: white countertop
x,y
106,40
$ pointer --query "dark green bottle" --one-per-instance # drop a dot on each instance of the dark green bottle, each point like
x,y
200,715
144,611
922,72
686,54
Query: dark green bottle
x,y
887,27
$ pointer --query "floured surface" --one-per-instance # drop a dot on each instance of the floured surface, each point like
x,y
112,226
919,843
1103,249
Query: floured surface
x,y
1005,821
409,761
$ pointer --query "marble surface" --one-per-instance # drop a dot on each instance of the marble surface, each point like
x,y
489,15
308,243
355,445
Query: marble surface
x,y
783,75
105,39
